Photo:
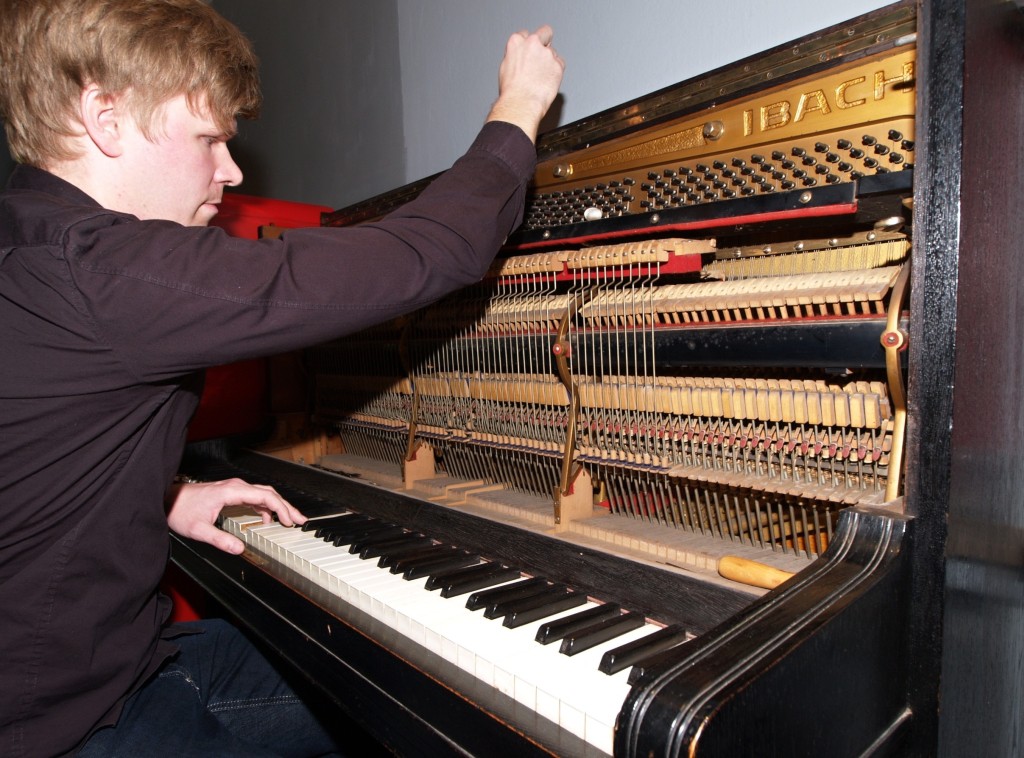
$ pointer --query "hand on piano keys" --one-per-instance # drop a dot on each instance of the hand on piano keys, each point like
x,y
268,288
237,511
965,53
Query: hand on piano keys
x,y
194,507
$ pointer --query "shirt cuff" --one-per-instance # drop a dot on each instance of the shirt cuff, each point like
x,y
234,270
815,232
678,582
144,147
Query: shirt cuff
x,y
509,144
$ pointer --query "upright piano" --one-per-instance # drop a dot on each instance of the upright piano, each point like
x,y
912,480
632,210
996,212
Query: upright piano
x,y
678,476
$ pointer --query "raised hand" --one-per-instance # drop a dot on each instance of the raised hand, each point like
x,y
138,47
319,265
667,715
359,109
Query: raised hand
x,y
528,80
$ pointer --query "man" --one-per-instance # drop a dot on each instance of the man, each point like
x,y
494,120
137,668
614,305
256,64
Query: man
x,y
114,295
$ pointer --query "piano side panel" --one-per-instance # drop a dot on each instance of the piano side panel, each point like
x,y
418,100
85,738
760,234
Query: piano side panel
x,y
816,667
933,295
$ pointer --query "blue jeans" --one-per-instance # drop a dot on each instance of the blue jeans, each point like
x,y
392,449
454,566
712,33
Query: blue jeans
x,y
218,697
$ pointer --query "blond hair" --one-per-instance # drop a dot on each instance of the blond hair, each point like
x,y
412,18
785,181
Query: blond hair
x,y
147,51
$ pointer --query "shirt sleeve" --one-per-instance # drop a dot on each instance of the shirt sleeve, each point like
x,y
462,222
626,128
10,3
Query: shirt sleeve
x,y
172,299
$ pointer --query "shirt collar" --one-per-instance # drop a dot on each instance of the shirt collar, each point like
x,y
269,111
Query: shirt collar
x,y
26,177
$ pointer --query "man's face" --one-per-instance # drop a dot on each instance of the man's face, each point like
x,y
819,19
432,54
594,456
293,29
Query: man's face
x,y
180,175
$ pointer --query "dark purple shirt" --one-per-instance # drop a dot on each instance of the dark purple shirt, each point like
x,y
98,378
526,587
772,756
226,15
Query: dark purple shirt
x,y
105,321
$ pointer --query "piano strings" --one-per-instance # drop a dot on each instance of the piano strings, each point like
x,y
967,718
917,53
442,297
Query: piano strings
x,y
561,374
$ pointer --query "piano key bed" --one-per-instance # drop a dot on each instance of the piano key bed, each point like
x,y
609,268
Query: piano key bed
x,y
537,625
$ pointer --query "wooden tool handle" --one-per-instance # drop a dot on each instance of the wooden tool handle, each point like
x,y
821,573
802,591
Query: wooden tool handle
x,y
751,572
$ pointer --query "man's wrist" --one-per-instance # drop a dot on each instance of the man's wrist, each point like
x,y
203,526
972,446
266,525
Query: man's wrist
x,y
525,114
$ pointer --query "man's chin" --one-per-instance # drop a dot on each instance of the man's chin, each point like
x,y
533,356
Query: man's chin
x,y
204,215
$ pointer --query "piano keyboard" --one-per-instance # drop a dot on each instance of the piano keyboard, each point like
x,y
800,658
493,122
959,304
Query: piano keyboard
x,y
554,650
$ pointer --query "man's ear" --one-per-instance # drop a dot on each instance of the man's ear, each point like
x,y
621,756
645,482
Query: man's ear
x,y
102,114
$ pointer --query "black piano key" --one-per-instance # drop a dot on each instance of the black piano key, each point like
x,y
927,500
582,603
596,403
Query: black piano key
x,y
338,538
555,630
389,556
634,652
348,536
600,632
401,563
356,521
454,588
484,598
410,540
429,555
657,660
426,568
501,608
437,579
320,525
378,535
532,612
